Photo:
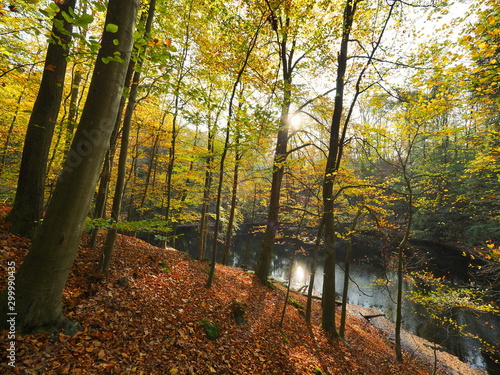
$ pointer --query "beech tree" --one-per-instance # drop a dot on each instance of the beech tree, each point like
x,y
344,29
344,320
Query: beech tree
x,y
41,278
338,131
28,204
122,162
288,22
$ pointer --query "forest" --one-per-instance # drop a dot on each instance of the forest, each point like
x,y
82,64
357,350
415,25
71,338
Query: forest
x,y
316,130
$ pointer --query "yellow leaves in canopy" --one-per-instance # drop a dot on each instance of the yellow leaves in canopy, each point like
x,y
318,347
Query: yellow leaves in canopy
x,y
483,45
157,42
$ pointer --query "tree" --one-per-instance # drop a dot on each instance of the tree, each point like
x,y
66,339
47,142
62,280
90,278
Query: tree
x,y
27,210
122,162
41,278
338,132
232,98
285,24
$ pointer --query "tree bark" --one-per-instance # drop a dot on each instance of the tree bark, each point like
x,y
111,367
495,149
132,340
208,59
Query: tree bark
x,y
224,154
232,211
265,256
202,244
345,289
401,247
105,179
27,210
41,278
6,144
333,163
109,243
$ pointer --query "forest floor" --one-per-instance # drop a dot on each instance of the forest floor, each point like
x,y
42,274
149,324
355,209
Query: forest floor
x,y
146,317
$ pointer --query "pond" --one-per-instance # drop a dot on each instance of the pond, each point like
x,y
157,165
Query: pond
x,y
366,268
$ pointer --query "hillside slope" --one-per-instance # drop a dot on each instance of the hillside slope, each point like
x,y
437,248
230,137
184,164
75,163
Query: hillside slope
x,y
145,318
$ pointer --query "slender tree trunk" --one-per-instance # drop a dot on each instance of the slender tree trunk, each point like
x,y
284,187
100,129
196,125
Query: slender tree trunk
x,y
109,243
333,163
27,210
105,179
287,294
313,272
173,235
171,157
401,247
177,107
265,256
5,149
150,171
232,211
336,144
208,184
347,276
224,154
102,193
206,201
218,206
133,176
41,278
73,107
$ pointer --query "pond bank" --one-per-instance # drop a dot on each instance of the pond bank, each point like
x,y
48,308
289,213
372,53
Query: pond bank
x,y
418,347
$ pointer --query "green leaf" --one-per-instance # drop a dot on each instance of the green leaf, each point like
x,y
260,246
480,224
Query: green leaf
x,y
116,42
67,17
111,28
84,20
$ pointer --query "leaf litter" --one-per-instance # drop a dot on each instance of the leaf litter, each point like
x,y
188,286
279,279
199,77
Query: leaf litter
x,y
147,317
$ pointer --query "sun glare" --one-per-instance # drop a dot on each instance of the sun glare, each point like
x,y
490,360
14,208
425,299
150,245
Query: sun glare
x,y
295,122
299,274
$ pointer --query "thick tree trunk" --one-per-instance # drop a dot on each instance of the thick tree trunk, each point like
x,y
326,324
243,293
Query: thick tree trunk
x,y
27,210
265,256
41,279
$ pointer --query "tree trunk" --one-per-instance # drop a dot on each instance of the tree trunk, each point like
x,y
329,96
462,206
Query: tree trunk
x,y
313,272
224,154
151,166
332,166
206,194
41,278
109,243
401,247
101,196
5,149
232,211
105,179
347,266
265,256
27,210
73,107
